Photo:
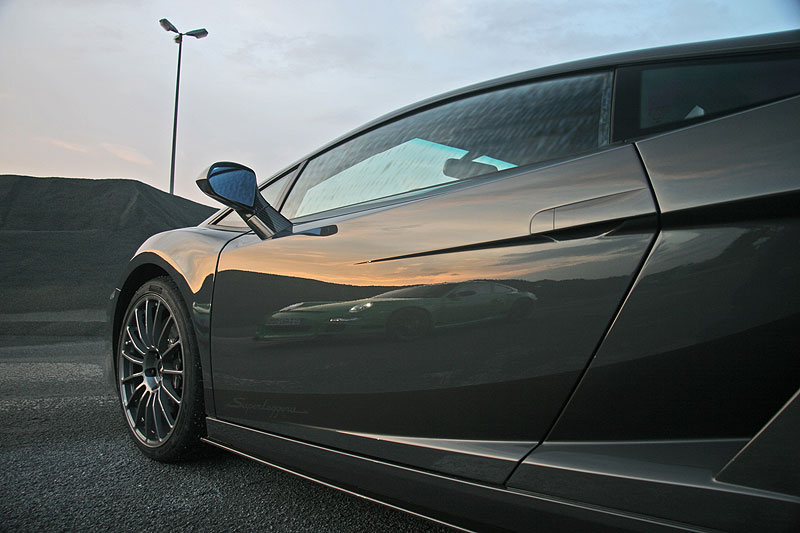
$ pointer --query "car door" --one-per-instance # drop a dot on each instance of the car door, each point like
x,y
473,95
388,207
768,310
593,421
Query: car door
x,y
465,303
517,186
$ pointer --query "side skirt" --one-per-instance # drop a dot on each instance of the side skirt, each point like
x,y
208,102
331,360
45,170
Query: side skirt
x,y
449,501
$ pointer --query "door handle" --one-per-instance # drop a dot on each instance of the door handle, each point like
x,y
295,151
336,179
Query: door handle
x,y
621,205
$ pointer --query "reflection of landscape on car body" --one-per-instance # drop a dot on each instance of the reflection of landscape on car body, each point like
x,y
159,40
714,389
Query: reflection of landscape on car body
x,y
539,344
403,314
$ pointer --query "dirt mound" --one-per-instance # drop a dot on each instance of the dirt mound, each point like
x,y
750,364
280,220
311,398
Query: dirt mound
x,y
64,241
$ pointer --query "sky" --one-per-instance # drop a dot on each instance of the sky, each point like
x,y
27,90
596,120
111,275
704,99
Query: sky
x,y
88,86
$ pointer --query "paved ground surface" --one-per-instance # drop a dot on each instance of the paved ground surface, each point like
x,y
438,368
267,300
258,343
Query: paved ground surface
x,y
66,463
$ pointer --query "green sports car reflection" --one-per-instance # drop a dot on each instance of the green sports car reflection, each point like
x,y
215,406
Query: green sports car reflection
x,y
404,314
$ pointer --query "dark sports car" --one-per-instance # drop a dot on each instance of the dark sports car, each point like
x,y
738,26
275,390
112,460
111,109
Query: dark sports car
x,y
404,314
651,202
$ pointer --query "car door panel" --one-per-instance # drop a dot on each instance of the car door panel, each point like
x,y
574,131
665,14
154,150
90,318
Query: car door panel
x,y
716,308
468,400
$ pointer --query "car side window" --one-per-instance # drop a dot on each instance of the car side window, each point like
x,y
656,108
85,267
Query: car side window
x,y
472,289
501,289
469,137
271,192
654,98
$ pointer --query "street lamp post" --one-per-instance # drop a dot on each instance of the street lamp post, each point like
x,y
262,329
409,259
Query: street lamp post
x,y
197,34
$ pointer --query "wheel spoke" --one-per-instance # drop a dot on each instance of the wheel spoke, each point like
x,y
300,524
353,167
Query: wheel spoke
x,y
148,325
158,423
172,372
167,416
141,408
132,358
167,324
172,347
138,344
149,422
130,378
170,392
136,396
158,324
141,327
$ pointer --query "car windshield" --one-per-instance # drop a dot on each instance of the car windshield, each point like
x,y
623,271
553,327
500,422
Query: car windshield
x,y
419,291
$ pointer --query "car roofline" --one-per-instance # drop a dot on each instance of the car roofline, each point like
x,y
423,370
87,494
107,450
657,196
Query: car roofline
x,y
719,47
736,45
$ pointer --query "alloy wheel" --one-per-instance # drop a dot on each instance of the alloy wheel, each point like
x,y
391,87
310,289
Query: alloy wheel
x,y
150,370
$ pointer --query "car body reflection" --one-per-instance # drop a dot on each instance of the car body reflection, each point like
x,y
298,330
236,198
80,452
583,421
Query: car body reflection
x,y
403,314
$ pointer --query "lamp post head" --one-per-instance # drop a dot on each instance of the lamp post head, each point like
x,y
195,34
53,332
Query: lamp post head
x,y
199,33
167,25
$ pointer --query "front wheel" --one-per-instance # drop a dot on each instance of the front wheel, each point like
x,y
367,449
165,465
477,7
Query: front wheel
x,y
520,310
408,324
158,373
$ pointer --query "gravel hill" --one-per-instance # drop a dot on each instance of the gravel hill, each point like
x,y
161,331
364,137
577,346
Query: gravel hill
x,y
64,241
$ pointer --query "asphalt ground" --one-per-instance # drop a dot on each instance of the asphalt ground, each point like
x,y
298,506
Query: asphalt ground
x,y
67,464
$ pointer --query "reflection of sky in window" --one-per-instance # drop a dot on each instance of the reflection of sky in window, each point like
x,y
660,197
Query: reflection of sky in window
x,y
496,163
412,165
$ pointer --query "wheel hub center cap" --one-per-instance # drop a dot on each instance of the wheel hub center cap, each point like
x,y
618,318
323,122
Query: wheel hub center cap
x,y
152,370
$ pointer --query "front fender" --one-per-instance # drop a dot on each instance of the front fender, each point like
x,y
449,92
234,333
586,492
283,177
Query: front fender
x,y
188,256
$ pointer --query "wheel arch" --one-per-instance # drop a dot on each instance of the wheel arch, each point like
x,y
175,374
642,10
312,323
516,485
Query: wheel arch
x,y
391,325
189,258
142,269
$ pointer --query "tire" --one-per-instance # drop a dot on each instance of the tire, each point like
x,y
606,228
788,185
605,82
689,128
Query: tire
x,y
158,374
408,324
520,310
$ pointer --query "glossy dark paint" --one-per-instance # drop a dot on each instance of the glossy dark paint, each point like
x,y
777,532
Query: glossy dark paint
x,y
715,298
189,257
434,401
771,460
458,502
668,480
705,350
660,383
706,345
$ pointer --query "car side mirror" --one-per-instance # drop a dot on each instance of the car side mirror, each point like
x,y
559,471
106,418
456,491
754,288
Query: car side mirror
x,y
235,186
231,184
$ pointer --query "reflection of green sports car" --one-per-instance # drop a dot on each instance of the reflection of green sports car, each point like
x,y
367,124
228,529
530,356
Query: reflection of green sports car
x,y
405,314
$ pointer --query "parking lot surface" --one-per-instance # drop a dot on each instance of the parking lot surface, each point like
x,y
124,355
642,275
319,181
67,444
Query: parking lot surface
x,y
67,463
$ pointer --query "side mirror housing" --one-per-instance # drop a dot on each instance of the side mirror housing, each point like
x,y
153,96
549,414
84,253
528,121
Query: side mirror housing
x,y
235,186
231,184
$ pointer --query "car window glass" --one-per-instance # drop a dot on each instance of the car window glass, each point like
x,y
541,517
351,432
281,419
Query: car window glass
x,y
478,288
671,94
470,137
418,291
271,194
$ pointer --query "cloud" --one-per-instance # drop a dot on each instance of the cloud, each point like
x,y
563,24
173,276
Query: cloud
x,y
66,145
126,153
